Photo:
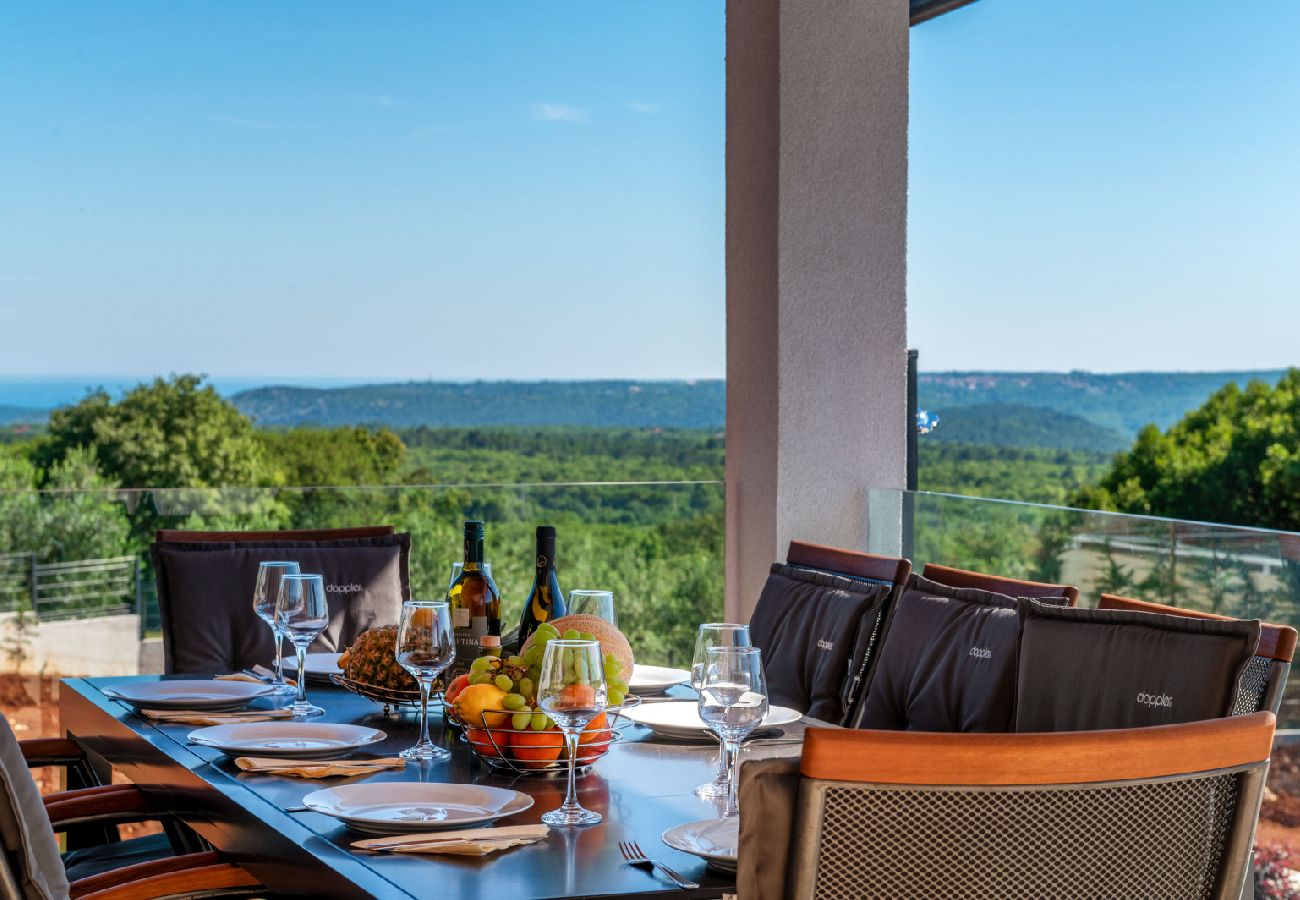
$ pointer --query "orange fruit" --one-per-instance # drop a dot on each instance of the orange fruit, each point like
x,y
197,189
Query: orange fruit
x,y
597,730
480,740
578,696
536,749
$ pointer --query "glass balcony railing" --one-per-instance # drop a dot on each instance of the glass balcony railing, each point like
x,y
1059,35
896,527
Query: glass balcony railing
x,y
658,545
1250,573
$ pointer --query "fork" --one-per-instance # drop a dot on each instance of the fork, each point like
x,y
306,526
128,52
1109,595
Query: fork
x,y
635,856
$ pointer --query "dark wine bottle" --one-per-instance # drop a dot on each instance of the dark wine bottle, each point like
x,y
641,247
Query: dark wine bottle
x,y
474,601
545,601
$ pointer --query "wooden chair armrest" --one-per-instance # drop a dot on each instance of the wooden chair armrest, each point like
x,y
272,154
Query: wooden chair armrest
x,y
179,875
109,802
51,752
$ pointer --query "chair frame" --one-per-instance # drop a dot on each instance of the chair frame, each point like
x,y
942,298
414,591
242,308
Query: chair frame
x,y
889,760
1012,587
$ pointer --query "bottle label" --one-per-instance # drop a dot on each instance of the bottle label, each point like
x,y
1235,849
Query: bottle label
x,y
460,617
478,626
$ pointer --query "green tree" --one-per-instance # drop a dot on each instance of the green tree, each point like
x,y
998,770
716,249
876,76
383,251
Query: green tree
x,y
1235,460
171,433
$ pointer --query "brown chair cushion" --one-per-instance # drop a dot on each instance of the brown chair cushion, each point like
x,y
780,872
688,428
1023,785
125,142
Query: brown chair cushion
x,y
25,826
814,629
1086,669
205,596
947,662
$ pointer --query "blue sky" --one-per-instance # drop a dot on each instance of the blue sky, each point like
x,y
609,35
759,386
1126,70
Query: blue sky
x,y
527,190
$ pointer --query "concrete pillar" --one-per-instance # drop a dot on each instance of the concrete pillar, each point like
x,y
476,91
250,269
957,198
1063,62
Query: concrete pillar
x,y
816,274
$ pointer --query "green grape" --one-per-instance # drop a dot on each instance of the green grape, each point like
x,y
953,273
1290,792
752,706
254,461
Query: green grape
x,y
571,635
534,673
616,697
479,678
481,664
587,636
514,661
540,721
504,682
526,686
613,667
548,629
519,721
514,702
617,684
542,639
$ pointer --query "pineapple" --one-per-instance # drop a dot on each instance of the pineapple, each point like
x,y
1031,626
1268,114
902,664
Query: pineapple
x,y
371,661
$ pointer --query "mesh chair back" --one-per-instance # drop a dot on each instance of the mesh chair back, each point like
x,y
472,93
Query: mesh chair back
x,y
1012,587
1263,683
1167,811
167,535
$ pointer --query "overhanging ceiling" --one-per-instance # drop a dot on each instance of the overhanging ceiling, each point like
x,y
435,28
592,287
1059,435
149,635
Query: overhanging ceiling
x,y
928,9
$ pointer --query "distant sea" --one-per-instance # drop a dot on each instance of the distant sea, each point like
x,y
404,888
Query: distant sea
x,y
47,393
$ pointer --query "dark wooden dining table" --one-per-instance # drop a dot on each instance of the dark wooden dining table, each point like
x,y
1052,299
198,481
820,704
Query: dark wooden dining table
x,y
642,787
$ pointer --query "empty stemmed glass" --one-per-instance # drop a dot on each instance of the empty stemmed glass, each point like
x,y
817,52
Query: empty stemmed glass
x,y
571,690
302,613
715,634
265,594
426,646
733,702
592,603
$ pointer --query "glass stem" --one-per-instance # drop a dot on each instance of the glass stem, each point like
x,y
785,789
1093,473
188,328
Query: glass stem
x,y
571,741
302,672
279,663
426,685
731,752
721,777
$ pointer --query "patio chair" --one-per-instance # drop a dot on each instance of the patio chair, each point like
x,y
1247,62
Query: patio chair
x,y
1012,587
1263,684
816,623
1167,811
32,869
205,586
946,660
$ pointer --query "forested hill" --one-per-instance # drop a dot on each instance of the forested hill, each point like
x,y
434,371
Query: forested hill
x,y
1123,402
1002,425
627,404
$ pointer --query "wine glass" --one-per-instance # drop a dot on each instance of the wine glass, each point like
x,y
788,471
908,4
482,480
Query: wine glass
x,y
302,613
592,603
426,646
715,634
733,702
265,594
571,690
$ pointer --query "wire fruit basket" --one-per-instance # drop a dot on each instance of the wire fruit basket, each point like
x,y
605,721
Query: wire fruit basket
x,y
392,698
525,751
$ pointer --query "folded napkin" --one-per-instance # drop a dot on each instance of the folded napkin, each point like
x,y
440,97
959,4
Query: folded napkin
x,y
198,717
253,679
311,768
464,842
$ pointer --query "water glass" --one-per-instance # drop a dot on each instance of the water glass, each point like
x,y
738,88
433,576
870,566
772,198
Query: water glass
x,y
302,613
715,634
426,646
592,603
571,690
733,702
265,593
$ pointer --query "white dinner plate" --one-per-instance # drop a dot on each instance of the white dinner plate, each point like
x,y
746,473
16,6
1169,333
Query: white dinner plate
x,y
716,840
187,694
320,666
394,808
681,720
655,679
295,740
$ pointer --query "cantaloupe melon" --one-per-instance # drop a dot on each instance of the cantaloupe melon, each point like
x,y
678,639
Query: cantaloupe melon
x,y
612,641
